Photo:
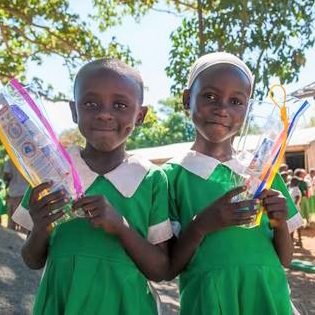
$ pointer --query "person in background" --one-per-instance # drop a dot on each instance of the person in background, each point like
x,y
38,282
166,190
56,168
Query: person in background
x,y
16,186
304,187
296,196
283,168
311,177
290,174
285,177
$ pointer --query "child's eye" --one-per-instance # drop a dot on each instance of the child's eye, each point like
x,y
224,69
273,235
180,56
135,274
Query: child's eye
x,y
120,105
236,101
91,105
210,96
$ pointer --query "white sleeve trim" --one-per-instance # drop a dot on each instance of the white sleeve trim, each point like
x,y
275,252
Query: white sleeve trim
x,y
176,227
160,232
22,217
295,222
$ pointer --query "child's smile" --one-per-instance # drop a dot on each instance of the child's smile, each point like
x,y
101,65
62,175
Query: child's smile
x,y
218,124
108,108
218,101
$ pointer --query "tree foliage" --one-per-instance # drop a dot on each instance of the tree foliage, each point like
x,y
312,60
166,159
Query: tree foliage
x,y
110,12
174,127
30,29
72,137
270,36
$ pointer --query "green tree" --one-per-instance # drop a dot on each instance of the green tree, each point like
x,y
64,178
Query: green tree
x,y
111,12
170,127
179,125
72,137
33,28
271,36
150,133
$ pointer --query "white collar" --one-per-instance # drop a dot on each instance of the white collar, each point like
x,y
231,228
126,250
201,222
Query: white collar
x,y
126,177
203,165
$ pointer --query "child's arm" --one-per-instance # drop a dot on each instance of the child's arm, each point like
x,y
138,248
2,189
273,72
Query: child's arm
x,y
34,251
276,207
297,200
222,213
152,260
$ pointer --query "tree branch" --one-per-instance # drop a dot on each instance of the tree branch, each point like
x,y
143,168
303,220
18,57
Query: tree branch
x,y
183,4
201,29
67,43
167,11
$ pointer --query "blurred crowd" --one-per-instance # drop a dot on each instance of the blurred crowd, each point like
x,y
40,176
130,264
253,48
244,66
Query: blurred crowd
x,y
12,189
301,185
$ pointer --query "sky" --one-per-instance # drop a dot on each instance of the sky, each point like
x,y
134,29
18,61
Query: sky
x,y
149,42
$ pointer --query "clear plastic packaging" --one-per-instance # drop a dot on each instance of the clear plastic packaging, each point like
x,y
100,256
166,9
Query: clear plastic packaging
x,y
32,149
261,145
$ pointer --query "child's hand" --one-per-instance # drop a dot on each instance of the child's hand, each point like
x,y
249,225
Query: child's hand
x,y
276,206
223,212
42,209
100,213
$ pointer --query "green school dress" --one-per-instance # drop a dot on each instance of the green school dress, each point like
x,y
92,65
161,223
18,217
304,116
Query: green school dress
x,y
87,270
236,270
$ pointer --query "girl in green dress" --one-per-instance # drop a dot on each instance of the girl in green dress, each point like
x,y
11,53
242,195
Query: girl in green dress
x,y
224,268
100,264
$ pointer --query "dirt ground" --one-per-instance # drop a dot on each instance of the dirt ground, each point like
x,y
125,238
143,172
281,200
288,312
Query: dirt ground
x,y
18,284
303,284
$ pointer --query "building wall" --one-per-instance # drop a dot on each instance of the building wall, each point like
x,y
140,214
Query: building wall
x,y
310,156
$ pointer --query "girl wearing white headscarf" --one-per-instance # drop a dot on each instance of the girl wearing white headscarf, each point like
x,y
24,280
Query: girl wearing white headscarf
x,y
224,268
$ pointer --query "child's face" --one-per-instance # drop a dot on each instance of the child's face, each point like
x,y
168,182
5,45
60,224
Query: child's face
x,y
218,102
107,108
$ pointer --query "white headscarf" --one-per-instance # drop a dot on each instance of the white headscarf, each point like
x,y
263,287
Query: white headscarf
x,y
209,60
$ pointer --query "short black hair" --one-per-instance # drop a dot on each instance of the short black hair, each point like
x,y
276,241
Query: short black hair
x,y
114,65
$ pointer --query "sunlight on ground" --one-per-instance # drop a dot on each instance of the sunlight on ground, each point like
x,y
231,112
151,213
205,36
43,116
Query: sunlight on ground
x,y
8,275
4,220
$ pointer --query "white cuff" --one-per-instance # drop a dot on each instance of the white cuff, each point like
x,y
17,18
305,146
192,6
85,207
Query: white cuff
x,y
295,222
160,232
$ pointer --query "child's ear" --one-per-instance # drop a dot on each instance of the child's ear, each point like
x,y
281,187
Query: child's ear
x,y
141,115
73,111
186,101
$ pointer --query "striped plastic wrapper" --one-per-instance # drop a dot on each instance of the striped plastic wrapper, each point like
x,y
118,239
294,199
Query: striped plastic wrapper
x,y
260,148
33,146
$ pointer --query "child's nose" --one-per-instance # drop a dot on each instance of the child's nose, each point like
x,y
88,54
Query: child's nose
x,y
221,107
105,113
